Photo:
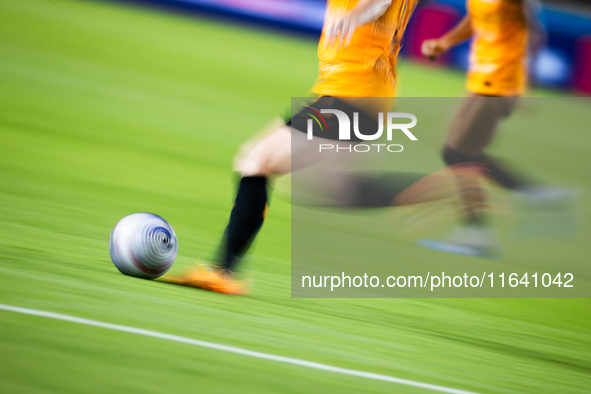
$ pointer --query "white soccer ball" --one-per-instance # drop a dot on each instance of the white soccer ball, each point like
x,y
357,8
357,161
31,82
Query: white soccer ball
x,y
143,245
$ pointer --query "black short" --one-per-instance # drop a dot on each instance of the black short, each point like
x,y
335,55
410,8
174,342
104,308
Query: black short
x,y
327,125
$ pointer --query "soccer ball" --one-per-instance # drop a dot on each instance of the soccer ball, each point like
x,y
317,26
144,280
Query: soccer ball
x,y
143,245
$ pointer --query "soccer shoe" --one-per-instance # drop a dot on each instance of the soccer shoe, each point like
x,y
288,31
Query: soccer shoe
x,y
467,240
546,212
547,198
208,277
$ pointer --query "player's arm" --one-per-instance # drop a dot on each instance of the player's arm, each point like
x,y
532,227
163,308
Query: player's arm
x,y
436,47
365,12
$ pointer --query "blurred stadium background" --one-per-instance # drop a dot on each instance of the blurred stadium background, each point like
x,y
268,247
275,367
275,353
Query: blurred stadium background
x,y
109,108
563,63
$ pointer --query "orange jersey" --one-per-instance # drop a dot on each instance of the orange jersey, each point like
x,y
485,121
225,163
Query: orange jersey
x,y
366,67
498,57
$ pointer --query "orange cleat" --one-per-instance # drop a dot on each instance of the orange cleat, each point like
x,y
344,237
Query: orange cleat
x,y
209,277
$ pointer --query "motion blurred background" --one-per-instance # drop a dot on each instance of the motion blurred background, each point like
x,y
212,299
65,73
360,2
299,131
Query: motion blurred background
x,y
562,63
109,108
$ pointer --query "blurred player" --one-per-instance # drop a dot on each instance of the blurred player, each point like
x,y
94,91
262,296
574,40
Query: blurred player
x,y
358,51
502,31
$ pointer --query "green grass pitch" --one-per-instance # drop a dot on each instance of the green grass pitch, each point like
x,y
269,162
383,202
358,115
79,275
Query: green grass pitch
x,y
106,110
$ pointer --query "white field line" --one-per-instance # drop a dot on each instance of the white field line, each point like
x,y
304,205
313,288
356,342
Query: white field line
x,y
231,349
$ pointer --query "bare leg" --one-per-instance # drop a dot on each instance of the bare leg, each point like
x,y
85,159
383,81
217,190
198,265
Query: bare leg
x,y
471,132
476,123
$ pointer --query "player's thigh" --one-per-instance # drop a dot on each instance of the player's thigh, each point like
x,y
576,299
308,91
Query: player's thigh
x,y
476,122
270,156
280,153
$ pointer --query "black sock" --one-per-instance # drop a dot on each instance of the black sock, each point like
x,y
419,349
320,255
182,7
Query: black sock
x,y
246,218
505,177
451,157
376,190
499,172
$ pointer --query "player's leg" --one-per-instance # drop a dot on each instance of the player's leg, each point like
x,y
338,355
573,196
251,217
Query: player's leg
x,y
277,154
271,157
472,131
260,161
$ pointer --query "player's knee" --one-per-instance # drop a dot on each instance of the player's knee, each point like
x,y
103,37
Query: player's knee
x,y
257,163
452,156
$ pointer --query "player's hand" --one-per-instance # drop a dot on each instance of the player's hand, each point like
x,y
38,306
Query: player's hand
x,y
433,48
340,32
